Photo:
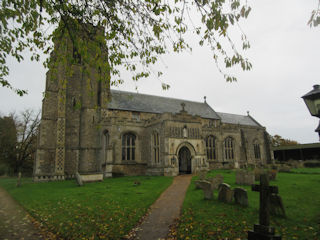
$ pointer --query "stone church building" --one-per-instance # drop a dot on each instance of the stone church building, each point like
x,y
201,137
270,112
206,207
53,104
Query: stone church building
x,y
136,134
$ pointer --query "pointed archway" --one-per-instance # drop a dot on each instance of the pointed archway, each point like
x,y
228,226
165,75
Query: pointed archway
x,y
184,160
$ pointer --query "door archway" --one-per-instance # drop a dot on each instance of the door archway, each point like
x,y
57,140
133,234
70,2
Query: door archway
x,y
184,160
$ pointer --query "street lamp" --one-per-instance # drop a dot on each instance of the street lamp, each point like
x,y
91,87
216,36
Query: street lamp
x,y
312,100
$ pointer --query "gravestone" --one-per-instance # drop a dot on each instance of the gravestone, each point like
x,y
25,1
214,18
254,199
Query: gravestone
x,y
202,175
272,174
19,180
225,193
263,230
244,177
78,179
257,173
207,190
276,206
216,181
241,196
285,168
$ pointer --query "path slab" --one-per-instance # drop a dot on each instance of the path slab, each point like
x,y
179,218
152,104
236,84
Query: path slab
x,y
165,210
14,221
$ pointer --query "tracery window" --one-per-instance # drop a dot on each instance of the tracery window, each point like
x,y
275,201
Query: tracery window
x,y
256,149
229,148
211,147
128,147
155,148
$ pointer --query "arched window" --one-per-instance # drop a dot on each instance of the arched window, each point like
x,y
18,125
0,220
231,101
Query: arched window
x,y
229,148
211,147
155,148
256,149
128,147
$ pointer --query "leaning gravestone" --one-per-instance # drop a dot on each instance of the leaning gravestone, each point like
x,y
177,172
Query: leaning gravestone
x,y
276,206
78,179
225,193
241,196
216,181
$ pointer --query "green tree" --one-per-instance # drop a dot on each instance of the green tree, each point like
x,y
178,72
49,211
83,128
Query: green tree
x,y
277,141
18,142
133,33
8,142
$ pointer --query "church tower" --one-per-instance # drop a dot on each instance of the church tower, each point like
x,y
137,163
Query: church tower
x,y
76,92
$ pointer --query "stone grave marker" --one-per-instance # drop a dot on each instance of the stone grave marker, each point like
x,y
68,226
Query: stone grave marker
x,y
272,174
244,177
276,206
216,181
263,230
225,193
202,175
241,196
207,189
78,179
19,180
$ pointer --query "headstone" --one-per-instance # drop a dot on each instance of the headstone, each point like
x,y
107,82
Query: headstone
x,y
272,174
19,180
207,190
285,168
241,196
276,206
263,230
78,179
225,193
216,181
244,177
202,175
257,173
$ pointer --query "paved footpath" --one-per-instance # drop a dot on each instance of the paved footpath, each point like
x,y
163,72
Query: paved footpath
x,y
165,210
14,221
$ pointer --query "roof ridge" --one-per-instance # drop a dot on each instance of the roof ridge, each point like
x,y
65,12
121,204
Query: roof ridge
x,y
183,100
233,114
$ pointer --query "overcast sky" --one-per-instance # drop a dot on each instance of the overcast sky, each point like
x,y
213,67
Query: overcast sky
x,y
285,56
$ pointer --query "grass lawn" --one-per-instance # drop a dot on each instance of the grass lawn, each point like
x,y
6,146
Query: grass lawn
x,y
104,210
210,219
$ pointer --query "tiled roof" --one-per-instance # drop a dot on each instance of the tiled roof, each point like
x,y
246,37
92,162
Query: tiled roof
x,y
238,119
129,101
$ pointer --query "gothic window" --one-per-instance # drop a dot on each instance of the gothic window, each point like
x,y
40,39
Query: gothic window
x,y
136,116
229,148
256,149
155,148
128,147
211,147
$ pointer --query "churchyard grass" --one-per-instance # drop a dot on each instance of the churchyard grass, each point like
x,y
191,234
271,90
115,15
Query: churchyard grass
x,y
211,219
102,210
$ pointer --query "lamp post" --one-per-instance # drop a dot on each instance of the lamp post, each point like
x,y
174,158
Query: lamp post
x,y
312,100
